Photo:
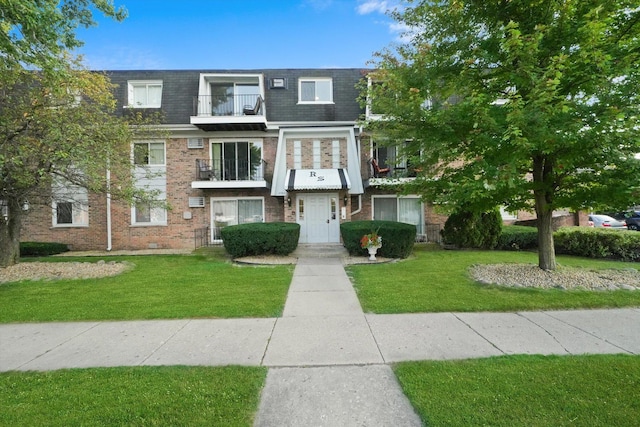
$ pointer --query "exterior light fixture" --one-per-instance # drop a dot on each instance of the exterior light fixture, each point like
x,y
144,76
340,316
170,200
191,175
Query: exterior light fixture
x,y
289,201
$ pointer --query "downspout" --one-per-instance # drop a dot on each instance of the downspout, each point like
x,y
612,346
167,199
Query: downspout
x,y
358,150
108,210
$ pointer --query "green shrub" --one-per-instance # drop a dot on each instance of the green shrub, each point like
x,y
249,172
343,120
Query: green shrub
x,y
28,249
518,238
398,238
278,238
598,243
466,229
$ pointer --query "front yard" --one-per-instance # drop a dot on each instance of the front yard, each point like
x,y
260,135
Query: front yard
x,y
511,391
436,280
599,390
132,396
158,287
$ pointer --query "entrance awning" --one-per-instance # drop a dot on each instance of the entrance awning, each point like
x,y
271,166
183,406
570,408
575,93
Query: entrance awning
x,y
317,179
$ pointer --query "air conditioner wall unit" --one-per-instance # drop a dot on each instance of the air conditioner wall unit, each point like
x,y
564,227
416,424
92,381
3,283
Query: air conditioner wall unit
x,y
196,202
195,143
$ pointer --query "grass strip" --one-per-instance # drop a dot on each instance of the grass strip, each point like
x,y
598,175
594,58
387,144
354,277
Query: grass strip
x,y
525,391
158,287
133,396
435,280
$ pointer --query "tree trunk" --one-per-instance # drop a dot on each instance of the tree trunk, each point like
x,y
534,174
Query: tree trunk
x,y
10,234
546,248
543,195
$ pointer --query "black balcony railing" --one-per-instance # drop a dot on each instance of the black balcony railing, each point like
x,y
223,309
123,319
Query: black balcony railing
x,y
228,105
230,170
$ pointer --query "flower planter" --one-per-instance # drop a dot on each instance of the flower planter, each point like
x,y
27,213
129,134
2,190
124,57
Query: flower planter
x,y
372,252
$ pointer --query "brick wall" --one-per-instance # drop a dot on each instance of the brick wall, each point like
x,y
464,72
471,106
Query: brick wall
x,y
181,219
326,152
38,226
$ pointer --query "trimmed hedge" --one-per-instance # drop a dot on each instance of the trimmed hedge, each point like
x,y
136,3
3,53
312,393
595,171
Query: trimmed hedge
x,y
466,229
517,238
397,237
278,238
598,243
28,249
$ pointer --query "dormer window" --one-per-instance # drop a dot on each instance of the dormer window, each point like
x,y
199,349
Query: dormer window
x,y
145,93
315,90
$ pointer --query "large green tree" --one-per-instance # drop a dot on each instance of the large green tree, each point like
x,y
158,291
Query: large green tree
x,y
37,33
57,121
59,129
529,104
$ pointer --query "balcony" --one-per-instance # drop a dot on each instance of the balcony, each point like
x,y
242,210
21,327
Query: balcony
x,y
229,173
229,112
389,175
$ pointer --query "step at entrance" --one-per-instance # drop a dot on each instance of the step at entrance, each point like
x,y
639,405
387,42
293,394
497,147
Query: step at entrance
x,y
320,250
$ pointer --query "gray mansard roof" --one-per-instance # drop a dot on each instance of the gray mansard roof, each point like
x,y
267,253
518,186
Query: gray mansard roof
x,y
180,87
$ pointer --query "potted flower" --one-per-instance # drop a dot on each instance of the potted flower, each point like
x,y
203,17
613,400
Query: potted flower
x,y
371,242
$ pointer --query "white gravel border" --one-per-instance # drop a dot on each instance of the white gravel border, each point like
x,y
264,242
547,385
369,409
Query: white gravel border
x,y
531,276
62,270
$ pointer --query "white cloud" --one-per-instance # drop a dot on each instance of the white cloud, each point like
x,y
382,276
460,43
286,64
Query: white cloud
x,y
372,6
122,58
403,32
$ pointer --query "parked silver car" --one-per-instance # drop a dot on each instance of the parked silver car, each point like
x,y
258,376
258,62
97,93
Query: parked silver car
x,y
607,222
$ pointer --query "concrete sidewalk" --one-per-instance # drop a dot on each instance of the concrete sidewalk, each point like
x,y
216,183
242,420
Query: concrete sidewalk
x,y
328,360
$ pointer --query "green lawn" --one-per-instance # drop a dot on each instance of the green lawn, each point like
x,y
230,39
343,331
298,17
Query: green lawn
x,y
150,396
159,287
435,280
525,391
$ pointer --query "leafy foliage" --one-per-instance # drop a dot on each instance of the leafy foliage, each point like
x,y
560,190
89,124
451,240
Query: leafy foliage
x,y
467,229
38,33
598,243
517,238
279,238
28,249
60,127
397,237
529,107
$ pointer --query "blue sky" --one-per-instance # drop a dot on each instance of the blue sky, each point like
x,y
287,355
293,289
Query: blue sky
x,y
240,34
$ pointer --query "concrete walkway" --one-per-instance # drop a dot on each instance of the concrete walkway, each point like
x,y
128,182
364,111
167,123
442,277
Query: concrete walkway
x,y
328,360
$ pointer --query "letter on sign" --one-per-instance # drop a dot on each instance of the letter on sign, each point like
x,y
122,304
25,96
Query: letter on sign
x,y
312,174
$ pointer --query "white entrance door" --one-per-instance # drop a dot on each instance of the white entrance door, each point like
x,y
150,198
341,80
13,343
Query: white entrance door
x,y
317,215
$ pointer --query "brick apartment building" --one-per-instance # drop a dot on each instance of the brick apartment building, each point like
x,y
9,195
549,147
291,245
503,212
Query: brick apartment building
x,y
241,146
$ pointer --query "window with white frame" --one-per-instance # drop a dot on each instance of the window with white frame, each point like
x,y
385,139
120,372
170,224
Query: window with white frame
x,y
148,214
145,93
400,209
317,155
394,156
226,211
335,154
315,90
149,153
373,107
70,205
297,154
237,160
149,158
